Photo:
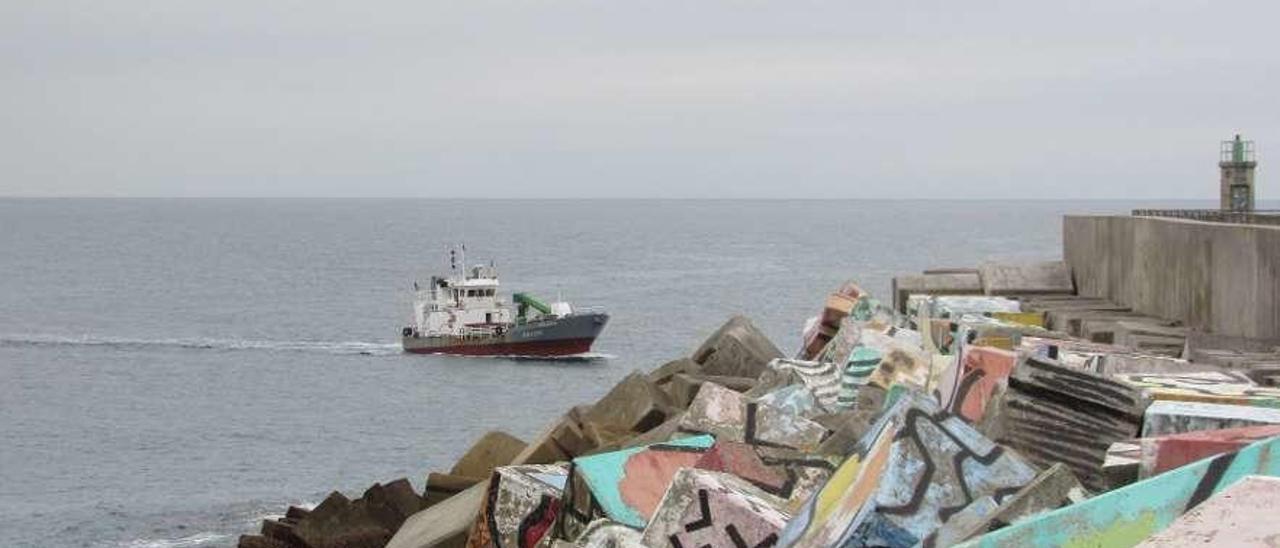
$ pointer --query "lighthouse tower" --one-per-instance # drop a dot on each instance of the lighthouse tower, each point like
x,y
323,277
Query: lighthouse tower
x,y
1237,163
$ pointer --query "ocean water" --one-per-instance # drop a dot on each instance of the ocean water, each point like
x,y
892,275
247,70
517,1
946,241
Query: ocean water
x,y
172,371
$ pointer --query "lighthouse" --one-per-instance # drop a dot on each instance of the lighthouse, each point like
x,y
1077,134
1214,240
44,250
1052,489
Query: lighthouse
x,y
1237,162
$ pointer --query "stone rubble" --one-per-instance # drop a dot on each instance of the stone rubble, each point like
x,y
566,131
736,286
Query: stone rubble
x,y
985,407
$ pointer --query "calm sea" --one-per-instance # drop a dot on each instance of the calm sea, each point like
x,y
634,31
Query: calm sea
x,y
171,371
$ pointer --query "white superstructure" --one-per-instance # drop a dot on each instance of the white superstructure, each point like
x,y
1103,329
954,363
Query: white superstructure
x,y
461,305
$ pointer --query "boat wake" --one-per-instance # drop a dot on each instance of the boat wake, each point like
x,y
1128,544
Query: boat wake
x,y
198,539
583,357
326,347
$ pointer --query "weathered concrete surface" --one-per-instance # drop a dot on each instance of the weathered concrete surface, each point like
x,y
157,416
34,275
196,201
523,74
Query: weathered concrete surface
x,y
1214,277
1241,515
707,508
729,416
1127,516
1161,454
1051,489
442,486
634,405
1028,278
444,523
492,450
625,486
1051,413
737,349
1174,417
684,387
561,440
521,507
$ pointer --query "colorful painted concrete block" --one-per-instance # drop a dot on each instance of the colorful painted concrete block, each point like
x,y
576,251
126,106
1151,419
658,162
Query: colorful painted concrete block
x,y
706,508
520,507
1131,514
1174,417
822,379
625,486
981,369
939,465
833,515
1164,453
1241,515
1224,387
728,416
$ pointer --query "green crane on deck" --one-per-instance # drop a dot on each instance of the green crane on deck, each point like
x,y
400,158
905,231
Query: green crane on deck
x,y
527,301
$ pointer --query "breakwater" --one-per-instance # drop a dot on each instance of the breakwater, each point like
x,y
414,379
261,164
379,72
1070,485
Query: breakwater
x,y
990,405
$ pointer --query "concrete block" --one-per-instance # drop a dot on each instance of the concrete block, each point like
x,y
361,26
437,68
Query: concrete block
x,y
833,515
664,432
728,416
1129,515
339,521
805,473
604,533
1164,453
520,507
940,464
442,486
836,308
635,404
963,283
560,441
794,399
1224,387
626,485
708,508
822,379
446,522
1029,319
742,461
1052,413
1027,278
1174,417
957,306
492,450
664,373
981,370
684,387
862,362
1241,515
737,349
1122,464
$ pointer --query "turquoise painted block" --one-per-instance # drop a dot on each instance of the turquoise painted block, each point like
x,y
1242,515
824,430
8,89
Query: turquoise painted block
x,y
1127,516
624,482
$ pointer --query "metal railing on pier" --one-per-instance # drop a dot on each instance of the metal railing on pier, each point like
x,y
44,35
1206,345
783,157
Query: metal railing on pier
x,y
1255,217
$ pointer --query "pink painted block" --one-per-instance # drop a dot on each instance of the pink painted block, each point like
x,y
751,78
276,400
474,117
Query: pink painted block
x,y
1165,453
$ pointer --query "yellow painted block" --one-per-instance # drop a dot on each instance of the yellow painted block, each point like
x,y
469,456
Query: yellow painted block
x,y
1034,319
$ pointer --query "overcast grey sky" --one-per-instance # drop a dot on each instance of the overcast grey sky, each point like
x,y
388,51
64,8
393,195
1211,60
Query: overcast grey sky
x,y
470,98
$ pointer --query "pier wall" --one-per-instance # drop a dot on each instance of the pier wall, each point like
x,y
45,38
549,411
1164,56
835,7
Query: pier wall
x,y
1215,277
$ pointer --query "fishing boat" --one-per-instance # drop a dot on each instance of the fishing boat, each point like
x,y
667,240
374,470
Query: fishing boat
x,y
464,314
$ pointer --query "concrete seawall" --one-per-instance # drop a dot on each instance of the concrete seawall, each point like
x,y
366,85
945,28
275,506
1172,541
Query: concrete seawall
x,y
1215,277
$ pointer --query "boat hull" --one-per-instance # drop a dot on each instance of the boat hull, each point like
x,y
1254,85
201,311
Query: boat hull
x,y
546,338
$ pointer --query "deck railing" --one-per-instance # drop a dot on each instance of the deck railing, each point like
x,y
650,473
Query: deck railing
x,y
1255,217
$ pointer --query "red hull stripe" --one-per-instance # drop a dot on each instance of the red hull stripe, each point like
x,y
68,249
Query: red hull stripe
x,y
564,347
